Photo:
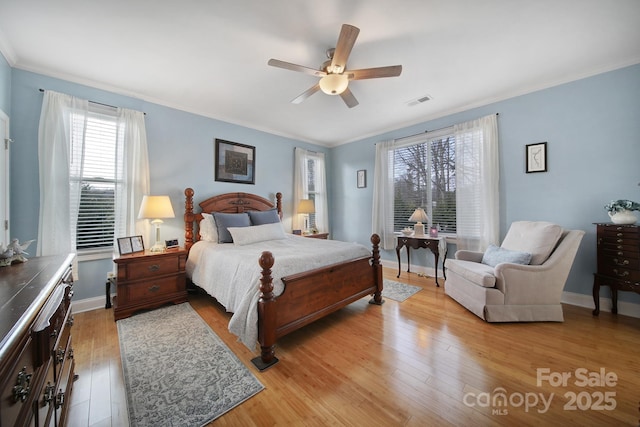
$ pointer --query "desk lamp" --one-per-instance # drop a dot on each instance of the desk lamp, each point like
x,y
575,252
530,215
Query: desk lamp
x,y
155,208
418,216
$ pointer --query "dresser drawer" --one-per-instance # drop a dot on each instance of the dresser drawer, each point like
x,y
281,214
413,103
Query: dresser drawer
x,y
145,290
149,267
619,260
619,272
19,385
618,231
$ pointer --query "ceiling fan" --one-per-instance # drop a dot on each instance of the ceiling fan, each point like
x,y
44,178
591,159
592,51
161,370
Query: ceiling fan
x,y
333,73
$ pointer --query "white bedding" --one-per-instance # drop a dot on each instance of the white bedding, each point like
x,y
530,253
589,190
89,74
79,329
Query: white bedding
x,y
231,273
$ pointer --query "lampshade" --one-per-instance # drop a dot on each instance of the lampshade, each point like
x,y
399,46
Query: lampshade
x,y
306,206
334,84
419,215
156,207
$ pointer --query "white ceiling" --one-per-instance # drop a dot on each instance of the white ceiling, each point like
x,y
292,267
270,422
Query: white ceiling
x,y
210,57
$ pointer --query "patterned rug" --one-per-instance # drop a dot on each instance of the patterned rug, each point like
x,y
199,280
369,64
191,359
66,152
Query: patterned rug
x,y
177,371
398,291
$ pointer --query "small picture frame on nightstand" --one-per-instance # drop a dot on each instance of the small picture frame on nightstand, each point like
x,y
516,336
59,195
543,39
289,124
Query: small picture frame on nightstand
x,y
137,245
124,245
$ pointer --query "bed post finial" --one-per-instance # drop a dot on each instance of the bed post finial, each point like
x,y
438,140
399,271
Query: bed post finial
x,y
266,315
377,270
188,218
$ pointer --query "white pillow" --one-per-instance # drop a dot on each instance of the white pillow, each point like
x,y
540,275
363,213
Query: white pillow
x,y
539,238
208,229
257,233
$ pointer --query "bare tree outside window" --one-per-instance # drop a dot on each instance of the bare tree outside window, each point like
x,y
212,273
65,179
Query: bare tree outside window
x,y
425,177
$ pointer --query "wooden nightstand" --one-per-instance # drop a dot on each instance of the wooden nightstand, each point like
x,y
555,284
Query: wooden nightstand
x,y
317,235
148,280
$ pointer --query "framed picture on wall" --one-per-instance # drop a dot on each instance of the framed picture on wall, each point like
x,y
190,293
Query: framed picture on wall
x,y
536,155
234,162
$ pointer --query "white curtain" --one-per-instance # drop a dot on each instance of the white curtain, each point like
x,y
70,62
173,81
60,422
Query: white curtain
x,y
61,133
383,194
61,151
301,188
132,165
477,175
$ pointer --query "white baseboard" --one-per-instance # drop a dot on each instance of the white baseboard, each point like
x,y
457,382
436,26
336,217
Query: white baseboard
x,y
572,298
581,300
89,304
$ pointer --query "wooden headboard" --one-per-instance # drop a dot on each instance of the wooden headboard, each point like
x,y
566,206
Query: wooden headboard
x,y
227,202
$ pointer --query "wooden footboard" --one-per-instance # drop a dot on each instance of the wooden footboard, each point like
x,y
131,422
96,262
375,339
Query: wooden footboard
x,y
312,295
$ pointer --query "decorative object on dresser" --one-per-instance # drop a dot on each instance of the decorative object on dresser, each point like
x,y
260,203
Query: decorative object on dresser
x,y
156,208
621,211
318,235
618,261
292,301
36,353
14,252
148,280
191,386
418,216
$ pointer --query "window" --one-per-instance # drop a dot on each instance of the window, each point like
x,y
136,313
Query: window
x,y
310,183
424,175
93,169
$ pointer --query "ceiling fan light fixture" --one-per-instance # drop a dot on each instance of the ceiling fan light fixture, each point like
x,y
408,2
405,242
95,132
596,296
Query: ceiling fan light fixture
x,y
334,84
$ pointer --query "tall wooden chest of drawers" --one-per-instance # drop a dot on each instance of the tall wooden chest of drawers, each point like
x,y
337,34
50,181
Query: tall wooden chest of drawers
x,y
149,279
36,354
618,261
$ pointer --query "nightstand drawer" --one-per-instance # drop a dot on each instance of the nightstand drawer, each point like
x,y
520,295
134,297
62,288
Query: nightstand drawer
x,y
149,267
141,291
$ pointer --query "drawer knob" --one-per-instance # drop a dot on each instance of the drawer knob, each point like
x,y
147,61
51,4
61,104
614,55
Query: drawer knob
x,y
624,262
59,399
623,274
619,240
60,355
22,388
154,288
70,321
48,393
154,267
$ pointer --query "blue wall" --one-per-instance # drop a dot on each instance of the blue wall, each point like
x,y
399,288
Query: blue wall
x,y
181,154
592,128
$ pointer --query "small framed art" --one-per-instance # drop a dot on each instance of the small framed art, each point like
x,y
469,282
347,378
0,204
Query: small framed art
x,y
234,162
361,178
129,245
536,155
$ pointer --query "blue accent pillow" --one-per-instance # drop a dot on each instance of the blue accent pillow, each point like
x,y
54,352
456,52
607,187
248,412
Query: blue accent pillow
x,y
495,255
264,217
225,220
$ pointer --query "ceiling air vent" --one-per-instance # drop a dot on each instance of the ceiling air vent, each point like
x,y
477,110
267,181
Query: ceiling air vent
x,y
420,100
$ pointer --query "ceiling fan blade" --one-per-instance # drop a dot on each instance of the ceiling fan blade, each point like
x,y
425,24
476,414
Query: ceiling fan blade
x,y
295,67
346,40
374,73
348,98
307,93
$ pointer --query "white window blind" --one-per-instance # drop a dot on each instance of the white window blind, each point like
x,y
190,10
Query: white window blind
x,y
94,170
424,176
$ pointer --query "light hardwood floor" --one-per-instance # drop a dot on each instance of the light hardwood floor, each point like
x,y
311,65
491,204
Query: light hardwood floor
x,y
423,362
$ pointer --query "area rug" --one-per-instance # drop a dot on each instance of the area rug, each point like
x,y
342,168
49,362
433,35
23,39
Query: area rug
x,y
177,371
398,291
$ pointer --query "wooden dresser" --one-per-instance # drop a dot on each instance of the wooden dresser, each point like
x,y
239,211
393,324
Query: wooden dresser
x,y
148,280
36,354
618,261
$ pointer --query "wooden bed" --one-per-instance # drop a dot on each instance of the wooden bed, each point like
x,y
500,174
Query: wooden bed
x,y
307,296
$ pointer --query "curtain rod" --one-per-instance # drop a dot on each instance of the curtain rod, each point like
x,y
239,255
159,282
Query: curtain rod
x,y
427,131
98,103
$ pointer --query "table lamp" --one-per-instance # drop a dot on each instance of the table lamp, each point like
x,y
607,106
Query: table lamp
x,y
306,206
155,208
418,216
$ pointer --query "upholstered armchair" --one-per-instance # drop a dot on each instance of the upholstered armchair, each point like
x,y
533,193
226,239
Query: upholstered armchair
x,y
522,280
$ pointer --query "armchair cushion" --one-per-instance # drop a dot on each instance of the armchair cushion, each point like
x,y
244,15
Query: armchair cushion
x,y
474,272
495,255
537,238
